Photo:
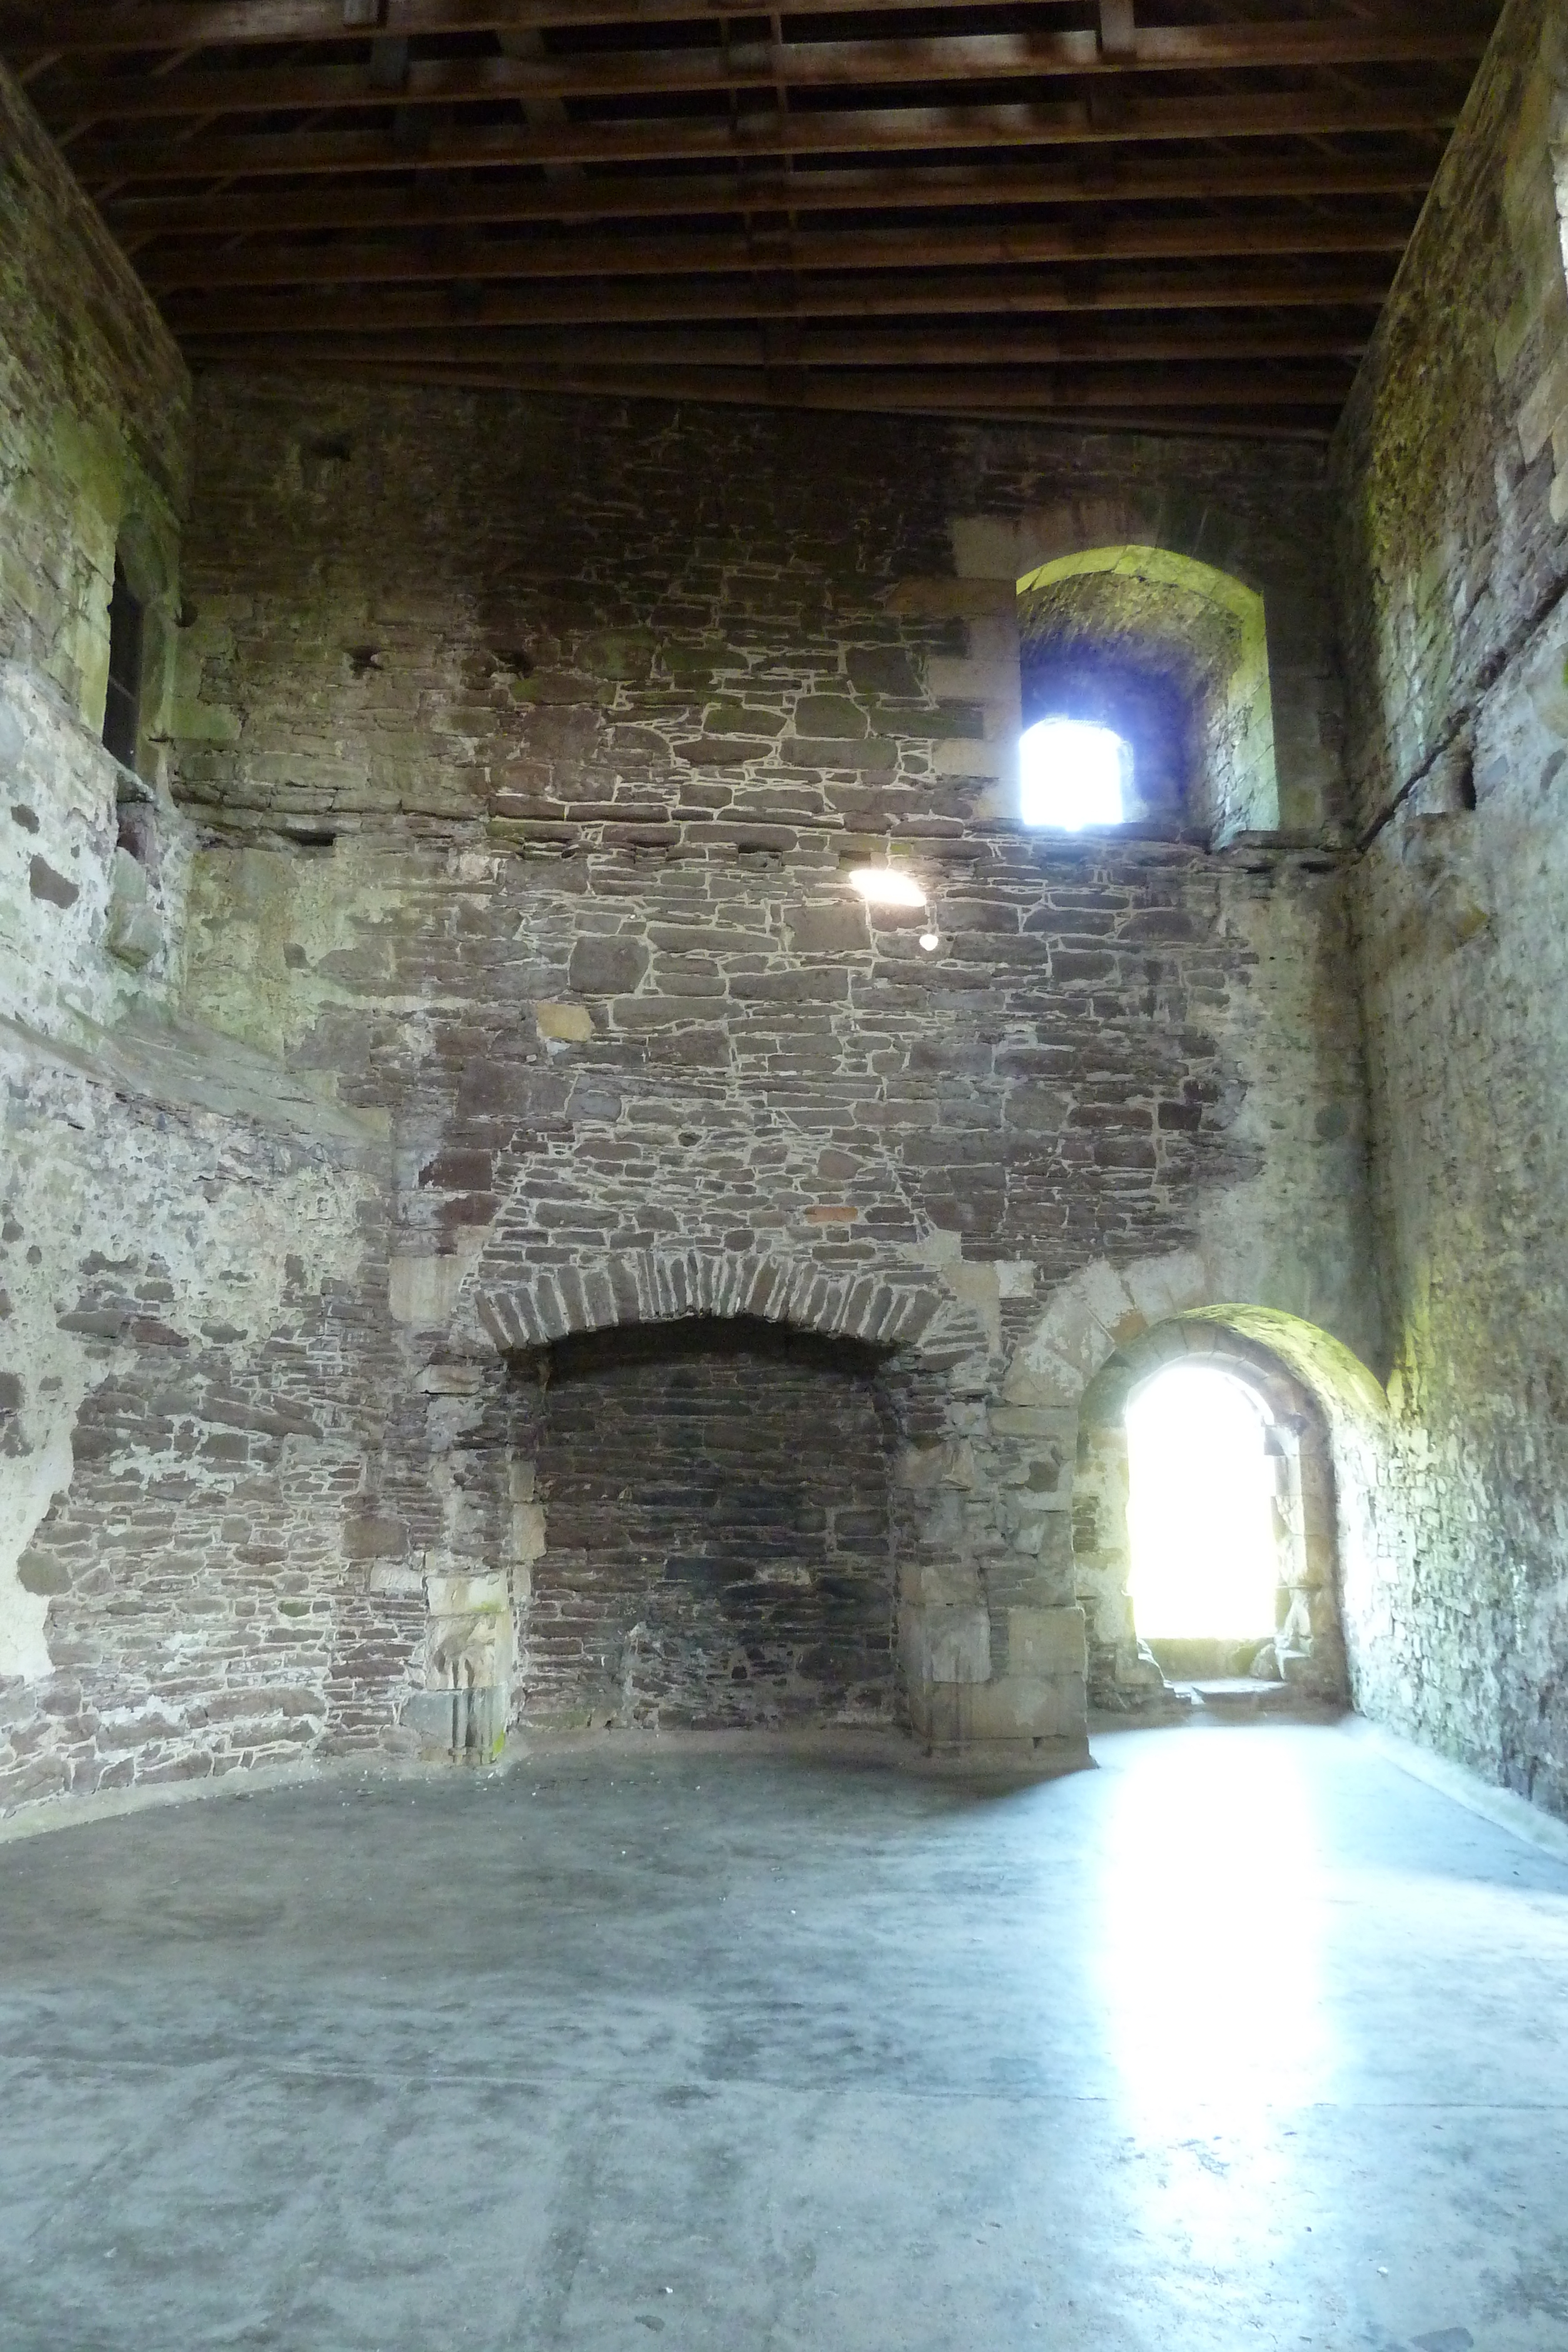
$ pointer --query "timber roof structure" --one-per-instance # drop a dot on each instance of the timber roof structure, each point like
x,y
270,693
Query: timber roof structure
x,y
1168,213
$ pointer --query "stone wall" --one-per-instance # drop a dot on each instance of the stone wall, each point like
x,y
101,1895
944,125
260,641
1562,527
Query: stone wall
x,y
185,1408
94,421
1453,559
1451,549
530,748
492,980
720,1533
182,1430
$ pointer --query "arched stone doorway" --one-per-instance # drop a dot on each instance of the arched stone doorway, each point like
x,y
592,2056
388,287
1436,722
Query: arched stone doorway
x,y
1308,1643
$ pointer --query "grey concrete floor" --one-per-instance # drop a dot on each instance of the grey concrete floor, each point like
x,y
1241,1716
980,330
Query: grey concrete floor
x,y
1244,2040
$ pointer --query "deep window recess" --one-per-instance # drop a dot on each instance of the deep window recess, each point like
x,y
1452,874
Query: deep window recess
x,y
1169,656
122,707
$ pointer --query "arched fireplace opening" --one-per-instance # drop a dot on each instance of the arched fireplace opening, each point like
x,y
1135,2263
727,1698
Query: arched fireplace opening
x,y
718,1527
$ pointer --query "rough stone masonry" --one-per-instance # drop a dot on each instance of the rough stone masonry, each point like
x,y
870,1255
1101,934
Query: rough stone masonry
x,y
496,1235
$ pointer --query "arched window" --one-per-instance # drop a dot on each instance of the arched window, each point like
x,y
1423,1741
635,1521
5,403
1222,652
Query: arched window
x,y
1158,664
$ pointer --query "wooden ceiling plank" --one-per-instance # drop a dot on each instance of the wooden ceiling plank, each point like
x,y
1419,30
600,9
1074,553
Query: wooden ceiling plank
x,y
430,202
496,262
86,28
1118,30
1066,123
968,292
963,346
1269,419
849,65
1174,387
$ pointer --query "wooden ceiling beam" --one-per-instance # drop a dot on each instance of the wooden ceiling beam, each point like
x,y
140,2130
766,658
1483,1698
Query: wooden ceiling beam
x,y
499,261
1268,421
431,203
1040,389
1265,421
1408,39
1114,343
29,29
909,130
974,293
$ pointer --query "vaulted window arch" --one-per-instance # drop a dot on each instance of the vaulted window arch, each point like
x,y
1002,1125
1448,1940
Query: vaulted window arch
x,y
1155,663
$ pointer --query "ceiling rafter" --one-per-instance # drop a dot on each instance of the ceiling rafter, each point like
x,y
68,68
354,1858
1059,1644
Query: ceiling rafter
x,y
1313,384
81,28
968,292
904,130
497,262
502,200
971,345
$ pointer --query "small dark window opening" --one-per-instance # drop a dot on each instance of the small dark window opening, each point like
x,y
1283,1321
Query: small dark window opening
x,y
122,709
137,834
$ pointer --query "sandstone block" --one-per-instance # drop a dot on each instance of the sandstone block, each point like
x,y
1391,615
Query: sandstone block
x,y
945,1644
374,1537
1046,1642
569,1025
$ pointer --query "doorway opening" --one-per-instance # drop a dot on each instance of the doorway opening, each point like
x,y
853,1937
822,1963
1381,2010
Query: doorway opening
x,y
1291,1376
1202,1518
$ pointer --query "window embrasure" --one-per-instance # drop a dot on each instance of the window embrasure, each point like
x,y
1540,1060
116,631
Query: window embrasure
x,y
1165,657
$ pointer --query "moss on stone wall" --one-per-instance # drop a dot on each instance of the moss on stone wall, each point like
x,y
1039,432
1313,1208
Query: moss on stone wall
x,y
1450,538
94,419
1453,560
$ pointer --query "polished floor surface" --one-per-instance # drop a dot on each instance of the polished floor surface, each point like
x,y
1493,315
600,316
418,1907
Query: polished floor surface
x,y
1246,2039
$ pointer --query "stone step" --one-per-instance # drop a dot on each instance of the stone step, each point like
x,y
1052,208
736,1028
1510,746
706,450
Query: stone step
x,y
1240,1695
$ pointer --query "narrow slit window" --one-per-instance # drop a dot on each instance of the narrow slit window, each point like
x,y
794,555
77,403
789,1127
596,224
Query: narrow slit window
x,y
123,706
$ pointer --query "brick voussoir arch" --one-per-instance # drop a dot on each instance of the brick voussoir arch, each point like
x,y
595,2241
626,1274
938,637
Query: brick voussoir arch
x,y
894,1308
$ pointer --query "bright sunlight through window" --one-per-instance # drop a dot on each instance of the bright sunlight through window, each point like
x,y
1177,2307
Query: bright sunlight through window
x,y
1201,1512
1072,774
